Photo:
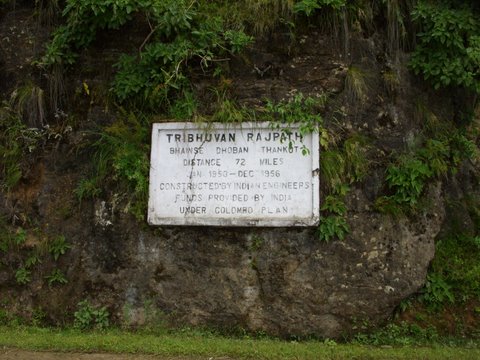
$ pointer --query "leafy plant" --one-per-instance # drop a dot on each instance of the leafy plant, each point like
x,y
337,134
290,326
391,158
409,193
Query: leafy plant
x,y
90,317
56,277
448,49
19,237
436,154
32,260
301,111
58,247
408,179
263,16
88,188
476,241
238,40
83,20
29,103
4,317
227,111
355,150
461,148
455,271
333,226
332,168
333,222
129,159
334,204
408,176
4,243
38,317
19,144
436,291
22,276
345,164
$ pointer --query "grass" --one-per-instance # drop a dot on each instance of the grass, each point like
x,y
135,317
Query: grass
x,y
195,344
357,83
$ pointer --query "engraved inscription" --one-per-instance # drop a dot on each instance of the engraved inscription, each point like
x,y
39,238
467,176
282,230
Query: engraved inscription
x,y
241,176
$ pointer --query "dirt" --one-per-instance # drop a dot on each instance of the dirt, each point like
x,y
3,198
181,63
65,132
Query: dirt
x,y
461,320
15,354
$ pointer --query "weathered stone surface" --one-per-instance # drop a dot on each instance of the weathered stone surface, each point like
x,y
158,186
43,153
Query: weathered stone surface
x,y
283,281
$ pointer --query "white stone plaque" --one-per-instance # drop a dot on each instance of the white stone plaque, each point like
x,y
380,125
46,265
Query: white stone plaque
x,y
233,175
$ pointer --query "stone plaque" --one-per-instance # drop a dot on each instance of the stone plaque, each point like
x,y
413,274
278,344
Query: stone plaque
x,y
233,175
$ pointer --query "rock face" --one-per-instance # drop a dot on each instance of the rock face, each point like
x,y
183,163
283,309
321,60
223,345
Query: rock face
x,y
283,281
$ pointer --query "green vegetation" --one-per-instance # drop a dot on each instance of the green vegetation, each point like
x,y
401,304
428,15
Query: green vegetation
x,y
120,153
184,35
333,223
403,334
191,343
23,134
23,260
346,163
300,111
90,317
357,84
448,303
455,271
340,166
256,243
409,175
448,51
58,246
181,32
56,277
308,7
23,276
12,146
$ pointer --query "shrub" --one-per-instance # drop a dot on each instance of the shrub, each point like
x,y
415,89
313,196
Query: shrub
x,y
180,32
448,49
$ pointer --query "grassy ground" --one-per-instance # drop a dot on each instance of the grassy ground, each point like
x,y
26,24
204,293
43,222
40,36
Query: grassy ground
x,y
199,345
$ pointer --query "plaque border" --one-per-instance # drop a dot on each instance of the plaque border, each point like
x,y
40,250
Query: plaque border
x,y
155,220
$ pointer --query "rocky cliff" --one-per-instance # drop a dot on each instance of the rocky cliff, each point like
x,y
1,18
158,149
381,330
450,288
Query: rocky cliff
x,y
284,281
